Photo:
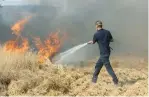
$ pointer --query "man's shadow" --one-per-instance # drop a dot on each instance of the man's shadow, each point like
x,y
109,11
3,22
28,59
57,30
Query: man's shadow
x,y
130,82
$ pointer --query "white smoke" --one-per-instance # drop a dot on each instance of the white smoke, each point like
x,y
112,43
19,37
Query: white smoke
x,y
126,19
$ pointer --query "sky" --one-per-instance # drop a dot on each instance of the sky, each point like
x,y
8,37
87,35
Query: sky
x,y
11,2
17,2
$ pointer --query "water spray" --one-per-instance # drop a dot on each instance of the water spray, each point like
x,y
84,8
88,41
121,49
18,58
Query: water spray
x,y
64,55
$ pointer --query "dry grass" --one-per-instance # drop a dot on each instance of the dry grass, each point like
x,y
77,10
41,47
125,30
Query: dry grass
x,y
20,74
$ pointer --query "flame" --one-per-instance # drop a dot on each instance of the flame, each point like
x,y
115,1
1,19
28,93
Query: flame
x,y
13,46
46,49
49,47
18,27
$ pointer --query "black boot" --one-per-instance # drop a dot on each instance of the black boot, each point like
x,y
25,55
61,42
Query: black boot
x,y
115,80
94,79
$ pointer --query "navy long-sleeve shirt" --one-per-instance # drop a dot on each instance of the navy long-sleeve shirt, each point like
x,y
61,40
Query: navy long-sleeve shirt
x,y
103,38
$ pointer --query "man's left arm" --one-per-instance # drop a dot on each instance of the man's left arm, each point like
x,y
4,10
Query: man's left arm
x,y
94,40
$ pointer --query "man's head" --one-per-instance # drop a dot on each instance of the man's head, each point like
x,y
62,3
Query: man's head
x,y
98,25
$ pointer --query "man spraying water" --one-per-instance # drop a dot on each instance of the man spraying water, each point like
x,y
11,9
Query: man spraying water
x,y
103,38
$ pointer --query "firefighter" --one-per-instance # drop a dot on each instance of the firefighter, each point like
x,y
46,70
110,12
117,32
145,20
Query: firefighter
x,y
103,38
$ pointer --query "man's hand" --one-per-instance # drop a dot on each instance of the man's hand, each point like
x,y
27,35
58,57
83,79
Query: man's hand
x,y
90,42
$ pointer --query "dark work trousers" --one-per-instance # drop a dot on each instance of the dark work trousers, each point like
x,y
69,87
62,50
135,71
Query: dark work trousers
x,y
104,60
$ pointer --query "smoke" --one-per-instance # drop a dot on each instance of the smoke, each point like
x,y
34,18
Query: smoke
x,y
126,19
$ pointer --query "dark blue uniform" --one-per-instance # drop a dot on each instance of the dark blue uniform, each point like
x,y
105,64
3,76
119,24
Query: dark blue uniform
x,y
103,38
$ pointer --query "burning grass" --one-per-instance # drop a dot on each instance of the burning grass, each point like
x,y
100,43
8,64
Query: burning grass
x,y
27,73
22,74
46,48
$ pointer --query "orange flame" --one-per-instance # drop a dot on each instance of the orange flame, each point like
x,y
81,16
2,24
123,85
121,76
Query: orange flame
x,y
18,27
49,47
46,49
13,46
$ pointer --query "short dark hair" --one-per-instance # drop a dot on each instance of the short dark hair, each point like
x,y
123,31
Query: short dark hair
x,y
98,23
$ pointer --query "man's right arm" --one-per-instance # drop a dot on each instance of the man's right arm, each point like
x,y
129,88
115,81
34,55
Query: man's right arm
x,y
110,37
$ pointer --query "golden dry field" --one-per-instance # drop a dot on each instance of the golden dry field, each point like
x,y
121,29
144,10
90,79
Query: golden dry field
x,y
21,74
